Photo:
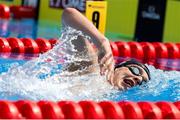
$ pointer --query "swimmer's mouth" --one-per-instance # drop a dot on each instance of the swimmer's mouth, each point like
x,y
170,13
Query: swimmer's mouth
x,y
129,83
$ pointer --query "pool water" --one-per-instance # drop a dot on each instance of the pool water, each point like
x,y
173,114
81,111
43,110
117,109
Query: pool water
x,y
29,28
44,78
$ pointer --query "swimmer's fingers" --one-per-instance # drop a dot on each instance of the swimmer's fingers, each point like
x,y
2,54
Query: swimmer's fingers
x,y
102,69
110,68
102,63
104,66
107,65
109,77
105,58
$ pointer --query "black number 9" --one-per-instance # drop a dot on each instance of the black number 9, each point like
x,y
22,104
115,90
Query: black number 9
x,y
95,18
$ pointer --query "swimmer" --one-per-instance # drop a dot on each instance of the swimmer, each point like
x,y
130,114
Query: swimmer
x,y
124,75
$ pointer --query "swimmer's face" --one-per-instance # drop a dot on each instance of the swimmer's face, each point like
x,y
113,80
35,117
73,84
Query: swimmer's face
x,y
128,76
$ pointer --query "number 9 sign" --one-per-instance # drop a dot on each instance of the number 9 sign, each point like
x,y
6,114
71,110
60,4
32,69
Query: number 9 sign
x,y
96,12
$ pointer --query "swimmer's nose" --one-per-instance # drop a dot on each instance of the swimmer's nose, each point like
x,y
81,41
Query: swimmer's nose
x,y
136,80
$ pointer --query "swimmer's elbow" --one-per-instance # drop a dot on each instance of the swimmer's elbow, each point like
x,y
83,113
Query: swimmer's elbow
x,y
69,16
68,12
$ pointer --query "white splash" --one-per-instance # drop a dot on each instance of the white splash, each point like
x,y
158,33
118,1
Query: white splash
x,y
45,77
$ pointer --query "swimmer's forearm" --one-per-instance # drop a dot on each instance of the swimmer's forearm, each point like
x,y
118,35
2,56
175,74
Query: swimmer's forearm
x,y
75,19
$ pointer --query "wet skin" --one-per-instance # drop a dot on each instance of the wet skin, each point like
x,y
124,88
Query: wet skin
x,y
123,78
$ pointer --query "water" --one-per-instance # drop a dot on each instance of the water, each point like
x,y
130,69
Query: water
x,y
46,78
29,28
164,85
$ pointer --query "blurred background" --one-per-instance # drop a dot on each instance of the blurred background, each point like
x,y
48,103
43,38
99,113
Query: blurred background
x,y
126,20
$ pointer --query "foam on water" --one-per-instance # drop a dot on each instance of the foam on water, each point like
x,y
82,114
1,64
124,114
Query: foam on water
x,y
46,78
164,85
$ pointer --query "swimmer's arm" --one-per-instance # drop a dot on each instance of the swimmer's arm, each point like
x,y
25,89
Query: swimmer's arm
x,y
75,19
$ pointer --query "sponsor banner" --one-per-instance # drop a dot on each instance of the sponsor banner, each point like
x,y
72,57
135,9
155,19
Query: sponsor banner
x,y
150,20
96,12
78,4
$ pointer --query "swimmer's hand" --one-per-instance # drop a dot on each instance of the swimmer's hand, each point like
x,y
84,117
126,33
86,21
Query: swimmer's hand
x,y
107,67
107,63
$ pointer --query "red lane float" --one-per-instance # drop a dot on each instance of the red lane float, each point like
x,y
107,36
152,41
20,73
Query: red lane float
x,y
143,50
123,49
19,12
173,50
169,110
16,44
91,110
136,50
116,110
50,110
131,110
4,11
71,110
156,54
4,46
9,111
114,49
53,41
29,109
161,50
149,51
178,45
44,44
26,109
177,104
150,110
30,45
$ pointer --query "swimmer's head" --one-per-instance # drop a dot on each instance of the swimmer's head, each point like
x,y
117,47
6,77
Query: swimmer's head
x,y
130,73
